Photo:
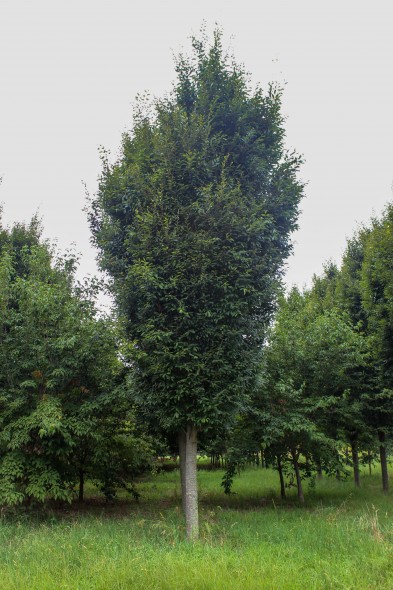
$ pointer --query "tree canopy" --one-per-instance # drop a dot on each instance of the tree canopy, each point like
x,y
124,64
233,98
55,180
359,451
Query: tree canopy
x,y
64,410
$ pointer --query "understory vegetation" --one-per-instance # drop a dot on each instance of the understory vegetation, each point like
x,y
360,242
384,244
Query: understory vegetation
x,y
342,538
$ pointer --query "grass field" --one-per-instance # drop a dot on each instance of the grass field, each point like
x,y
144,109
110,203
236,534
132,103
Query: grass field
x,y
342,538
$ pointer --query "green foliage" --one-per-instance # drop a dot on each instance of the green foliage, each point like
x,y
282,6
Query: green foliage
x,y
193,224
310,398
377,291
313,364
62,395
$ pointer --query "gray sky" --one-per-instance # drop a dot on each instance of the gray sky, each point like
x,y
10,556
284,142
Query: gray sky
x,y
69,72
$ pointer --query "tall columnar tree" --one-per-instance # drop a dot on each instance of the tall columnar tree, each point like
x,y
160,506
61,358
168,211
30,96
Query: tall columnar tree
x,y
348,284
376,287
362,292
193,224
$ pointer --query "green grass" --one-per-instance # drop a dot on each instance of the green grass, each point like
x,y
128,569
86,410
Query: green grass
x,y
342,539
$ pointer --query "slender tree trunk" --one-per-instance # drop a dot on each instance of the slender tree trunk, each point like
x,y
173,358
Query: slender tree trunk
x,y
384,462
262,459
369,457
355,460
300,494
347,455
182,457
81,485
282,483
191,484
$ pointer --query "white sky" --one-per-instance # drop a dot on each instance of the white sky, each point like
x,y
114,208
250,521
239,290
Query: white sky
x,y
69,72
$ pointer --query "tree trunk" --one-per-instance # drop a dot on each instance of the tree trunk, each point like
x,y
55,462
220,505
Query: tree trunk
x,y
282,483
182,457
81,485
355,460
300,494
262,459
384,462
191,484
347,455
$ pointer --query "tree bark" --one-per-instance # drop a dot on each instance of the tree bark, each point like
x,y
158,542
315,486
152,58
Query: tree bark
x,y
182,457
282,483
384,462
369,459
191,484
300,494
355,460
262,459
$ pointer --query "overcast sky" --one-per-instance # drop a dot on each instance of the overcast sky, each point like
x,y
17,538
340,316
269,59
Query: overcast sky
x,y
69,72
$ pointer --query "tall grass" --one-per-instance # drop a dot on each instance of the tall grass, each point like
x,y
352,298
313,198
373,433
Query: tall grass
x,y
342,539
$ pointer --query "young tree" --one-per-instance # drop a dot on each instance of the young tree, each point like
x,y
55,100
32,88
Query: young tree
x,y
376,288
363,294
311,357
62,404
193,224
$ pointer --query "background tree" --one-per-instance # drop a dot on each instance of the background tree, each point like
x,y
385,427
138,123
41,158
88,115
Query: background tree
x,y
193,225
310,398
377,300
311,358
60,376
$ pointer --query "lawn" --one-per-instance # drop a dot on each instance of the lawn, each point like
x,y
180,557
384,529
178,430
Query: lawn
x,y
342,538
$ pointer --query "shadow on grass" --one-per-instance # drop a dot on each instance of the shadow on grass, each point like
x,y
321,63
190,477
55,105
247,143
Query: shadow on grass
x,y
254,490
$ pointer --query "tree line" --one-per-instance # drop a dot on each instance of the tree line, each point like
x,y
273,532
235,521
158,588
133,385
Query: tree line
x,y
65,410
325,396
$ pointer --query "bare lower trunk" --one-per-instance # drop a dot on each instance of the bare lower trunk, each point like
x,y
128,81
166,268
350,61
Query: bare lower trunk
x,y
262,459
182,457
347,455
384,462
355,460
191,484
282,483
300,494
